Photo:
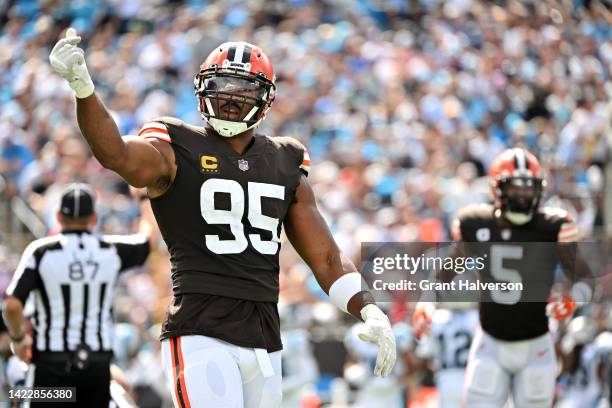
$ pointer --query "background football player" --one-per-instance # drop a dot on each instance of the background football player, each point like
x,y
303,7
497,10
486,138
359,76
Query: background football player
x,y
513,349
220,196
584,358
452,329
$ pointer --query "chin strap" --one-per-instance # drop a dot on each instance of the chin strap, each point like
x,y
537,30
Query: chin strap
x,y
518,218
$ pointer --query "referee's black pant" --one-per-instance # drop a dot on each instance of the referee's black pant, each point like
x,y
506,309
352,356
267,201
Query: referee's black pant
x,y
92,383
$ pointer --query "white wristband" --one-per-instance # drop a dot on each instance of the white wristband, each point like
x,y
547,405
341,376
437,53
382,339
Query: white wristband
x,y
344,288
83,87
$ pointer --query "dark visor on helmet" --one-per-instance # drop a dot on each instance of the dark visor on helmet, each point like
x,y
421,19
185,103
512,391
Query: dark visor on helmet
x,y
234,86
523,182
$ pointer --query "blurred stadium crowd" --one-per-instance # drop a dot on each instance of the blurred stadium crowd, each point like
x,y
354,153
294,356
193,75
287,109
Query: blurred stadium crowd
x,y
402,105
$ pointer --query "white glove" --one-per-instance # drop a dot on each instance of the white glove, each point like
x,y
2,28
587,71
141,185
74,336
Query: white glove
x,y
68,61
377,329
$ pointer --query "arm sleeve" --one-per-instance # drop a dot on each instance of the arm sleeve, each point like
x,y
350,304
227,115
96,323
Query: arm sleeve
x,y
25,278
133,250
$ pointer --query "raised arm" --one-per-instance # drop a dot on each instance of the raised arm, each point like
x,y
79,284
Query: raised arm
x,y
141,162
337,276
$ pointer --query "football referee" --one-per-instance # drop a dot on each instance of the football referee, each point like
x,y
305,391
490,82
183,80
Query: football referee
x,y
71,277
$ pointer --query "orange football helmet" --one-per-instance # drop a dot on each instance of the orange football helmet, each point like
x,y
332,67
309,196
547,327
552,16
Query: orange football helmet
x,y
516,184
235,87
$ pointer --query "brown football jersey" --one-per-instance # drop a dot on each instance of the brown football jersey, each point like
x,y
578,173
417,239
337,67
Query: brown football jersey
x,y
525,254
221,219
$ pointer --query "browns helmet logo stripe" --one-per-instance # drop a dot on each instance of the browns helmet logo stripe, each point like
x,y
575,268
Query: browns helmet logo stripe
x,y
231,53
246,56
519,159
522,166
240,52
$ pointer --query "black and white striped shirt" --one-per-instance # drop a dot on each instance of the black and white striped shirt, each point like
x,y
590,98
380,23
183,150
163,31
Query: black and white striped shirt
x,y
71,277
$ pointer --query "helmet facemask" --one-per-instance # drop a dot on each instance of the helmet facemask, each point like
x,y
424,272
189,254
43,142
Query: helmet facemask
x,y
519,197
232,102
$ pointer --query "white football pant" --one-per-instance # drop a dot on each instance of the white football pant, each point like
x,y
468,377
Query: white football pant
x,y
496,367
207,372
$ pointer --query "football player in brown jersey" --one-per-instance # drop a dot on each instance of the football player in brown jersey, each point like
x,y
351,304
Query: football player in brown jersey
x,y
513,350
220,196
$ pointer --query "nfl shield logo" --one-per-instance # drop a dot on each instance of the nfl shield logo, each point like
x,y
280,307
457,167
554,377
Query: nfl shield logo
x,y
243,164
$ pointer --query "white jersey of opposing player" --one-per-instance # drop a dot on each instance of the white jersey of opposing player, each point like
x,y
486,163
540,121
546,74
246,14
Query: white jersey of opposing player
x,y
448,344
585,387
300,369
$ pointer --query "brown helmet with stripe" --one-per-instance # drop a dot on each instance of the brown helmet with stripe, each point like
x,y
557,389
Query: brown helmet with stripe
x,y
235,87
516,184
